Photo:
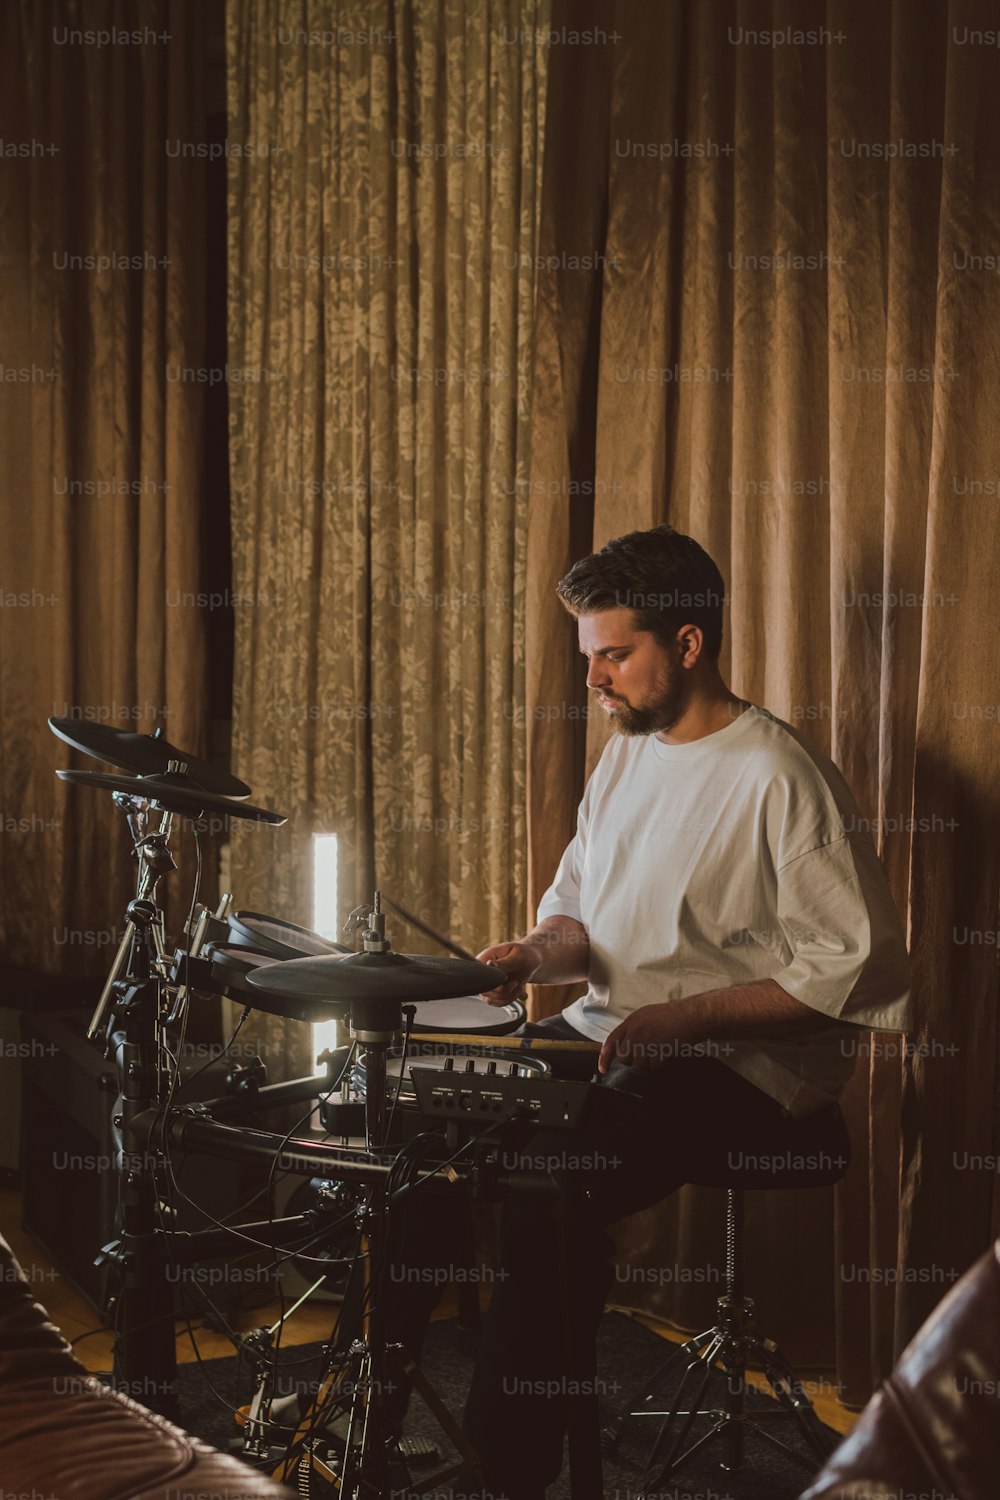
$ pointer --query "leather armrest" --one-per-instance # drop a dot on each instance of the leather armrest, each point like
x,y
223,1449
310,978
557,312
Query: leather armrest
x,y
65,1436
934,1426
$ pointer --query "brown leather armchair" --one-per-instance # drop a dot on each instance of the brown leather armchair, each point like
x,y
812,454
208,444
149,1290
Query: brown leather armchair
x,y
65,1436
933,1428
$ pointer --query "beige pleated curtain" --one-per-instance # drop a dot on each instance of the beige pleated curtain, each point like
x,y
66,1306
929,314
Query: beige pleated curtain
x,y
381,257
101,552
788,350
742,312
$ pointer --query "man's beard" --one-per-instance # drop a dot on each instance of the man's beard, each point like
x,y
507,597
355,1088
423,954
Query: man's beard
x,y
661,712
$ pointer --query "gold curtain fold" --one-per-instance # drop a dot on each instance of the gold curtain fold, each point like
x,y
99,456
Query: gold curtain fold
x,y
102,253
825,424
382,273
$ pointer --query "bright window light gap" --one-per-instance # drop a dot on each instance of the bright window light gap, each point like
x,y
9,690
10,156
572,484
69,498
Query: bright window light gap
x,y
324,919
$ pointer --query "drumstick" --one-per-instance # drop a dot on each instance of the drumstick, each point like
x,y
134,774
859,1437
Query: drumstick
x,y
435,937
510,1043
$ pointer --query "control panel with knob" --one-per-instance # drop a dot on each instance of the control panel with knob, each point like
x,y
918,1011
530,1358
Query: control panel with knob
x,y
539,1099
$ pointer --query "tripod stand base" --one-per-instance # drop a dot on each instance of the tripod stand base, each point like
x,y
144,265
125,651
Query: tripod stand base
x,y
313,1455
726,1350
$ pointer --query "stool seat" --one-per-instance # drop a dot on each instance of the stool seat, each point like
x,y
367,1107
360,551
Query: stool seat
x,y
814,1151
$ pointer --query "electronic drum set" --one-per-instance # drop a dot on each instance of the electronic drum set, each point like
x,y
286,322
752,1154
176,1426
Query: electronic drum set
x,y
430,1081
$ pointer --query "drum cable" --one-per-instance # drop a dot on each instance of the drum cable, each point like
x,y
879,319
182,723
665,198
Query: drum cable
x,y
159,1203
293,1253
272,1356
165,1143
409,1011
412,1186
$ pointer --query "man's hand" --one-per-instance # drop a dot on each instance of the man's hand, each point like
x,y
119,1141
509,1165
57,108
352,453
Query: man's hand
x,y
646,1038
519,961
557,951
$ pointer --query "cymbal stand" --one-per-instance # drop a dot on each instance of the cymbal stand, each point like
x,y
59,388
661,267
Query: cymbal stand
x,y
145,1357
131,1013
370,1467
151,851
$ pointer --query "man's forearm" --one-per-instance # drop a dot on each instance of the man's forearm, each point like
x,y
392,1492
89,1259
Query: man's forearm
x,y
564,949
759,1009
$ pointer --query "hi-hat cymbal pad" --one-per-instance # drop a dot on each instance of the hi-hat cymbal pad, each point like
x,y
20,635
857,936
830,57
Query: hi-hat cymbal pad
x,y
173,792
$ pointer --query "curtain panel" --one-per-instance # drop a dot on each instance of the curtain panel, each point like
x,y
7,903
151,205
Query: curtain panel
x,y
383,200
101,557
787,348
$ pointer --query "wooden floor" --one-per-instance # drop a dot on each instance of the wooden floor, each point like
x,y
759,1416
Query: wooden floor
x,y
311,1323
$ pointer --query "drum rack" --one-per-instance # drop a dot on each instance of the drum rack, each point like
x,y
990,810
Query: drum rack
x,y
145,1003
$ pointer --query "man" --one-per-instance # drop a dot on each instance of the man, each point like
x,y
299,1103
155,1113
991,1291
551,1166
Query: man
x,y
734,928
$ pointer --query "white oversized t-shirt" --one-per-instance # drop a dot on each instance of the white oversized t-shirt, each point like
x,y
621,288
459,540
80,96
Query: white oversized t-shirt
x,y
736,857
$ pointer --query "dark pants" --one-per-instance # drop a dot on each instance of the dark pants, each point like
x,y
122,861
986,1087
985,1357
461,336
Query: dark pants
x,y
696,1121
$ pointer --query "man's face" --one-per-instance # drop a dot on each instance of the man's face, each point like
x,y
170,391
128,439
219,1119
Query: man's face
x,y
641,686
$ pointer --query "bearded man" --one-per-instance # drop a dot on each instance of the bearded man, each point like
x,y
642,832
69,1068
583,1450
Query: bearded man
x,y
726,909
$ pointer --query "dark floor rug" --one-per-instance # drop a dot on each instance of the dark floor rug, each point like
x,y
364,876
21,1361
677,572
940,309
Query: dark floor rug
x,y
628,1356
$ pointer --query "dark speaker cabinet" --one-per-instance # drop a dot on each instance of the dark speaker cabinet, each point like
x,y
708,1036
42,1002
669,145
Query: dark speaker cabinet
x,y
69,1184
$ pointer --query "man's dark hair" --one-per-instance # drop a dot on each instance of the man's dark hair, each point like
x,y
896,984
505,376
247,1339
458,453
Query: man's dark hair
x,y
666,578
